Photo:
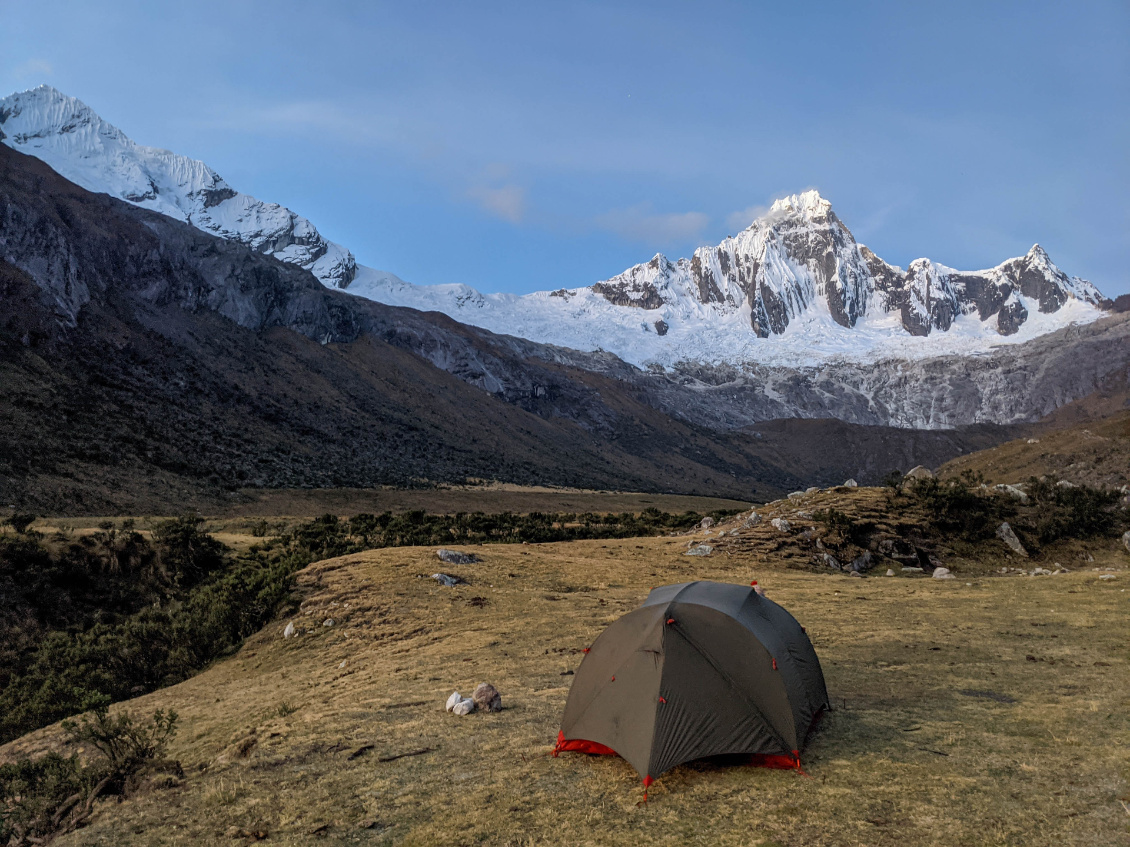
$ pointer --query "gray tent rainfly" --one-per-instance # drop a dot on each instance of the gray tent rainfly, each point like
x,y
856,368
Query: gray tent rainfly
x,y
700,669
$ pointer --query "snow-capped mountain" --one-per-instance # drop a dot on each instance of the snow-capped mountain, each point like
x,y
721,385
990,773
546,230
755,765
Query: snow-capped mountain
x,y
794,288
67,134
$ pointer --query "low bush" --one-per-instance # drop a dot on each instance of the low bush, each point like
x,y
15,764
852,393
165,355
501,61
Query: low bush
x,y
43,798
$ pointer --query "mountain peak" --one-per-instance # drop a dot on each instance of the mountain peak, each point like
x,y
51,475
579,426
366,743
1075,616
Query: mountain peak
x,y
808,203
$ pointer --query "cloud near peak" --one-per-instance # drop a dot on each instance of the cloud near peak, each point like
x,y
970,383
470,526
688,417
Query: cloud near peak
x,y
640,223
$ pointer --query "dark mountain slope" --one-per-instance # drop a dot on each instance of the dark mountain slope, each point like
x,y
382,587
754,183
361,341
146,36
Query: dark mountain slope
x,y
147,366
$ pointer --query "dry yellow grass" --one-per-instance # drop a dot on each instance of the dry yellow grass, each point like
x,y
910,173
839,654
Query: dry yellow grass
x,y
996,712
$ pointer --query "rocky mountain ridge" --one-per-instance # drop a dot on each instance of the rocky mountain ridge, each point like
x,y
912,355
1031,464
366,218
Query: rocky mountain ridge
x,y
793,289
77,143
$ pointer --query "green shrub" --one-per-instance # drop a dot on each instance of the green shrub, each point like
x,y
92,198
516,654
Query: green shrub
x,y
43,798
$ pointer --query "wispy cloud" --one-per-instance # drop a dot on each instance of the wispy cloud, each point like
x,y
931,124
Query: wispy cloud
x,y
739,220
33,68
640,223
504,201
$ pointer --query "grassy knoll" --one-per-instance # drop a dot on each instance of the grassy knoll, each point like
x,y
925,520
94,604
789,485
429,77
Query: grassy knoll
x,y
980,710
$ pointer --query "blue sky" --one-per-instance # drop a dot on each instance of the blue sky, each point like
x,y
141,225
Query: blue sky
x,y
522,146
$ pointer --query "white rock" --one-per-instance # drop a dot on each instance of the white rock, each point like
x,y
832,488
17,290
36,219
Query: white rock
x,y
342,665
781,524
796,495
700,550
752,519
1041,572
1033,441
912,570
328,622
919,472
1063,483
1107,576
463,707
943,573
1005,534
811,490
1126,541
890,572
289,632
706,523
850,483
454,700
1013,491
832,562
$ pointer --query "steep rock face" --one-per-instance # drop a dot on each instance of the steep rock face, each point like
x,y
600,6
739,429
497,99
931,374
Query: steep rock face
x,y
69,136
801,258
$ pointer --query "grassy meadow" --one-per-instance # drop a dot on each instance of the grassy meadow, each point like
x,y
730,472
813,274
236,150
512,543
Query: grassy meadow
x,y
981,710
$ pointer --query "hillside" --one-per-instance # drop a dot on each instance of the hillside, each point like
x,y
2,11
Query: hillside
x,y
338,735
149,368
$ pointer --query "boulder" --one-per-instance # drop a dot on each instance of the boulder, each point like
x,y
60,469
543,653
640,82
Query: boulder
x,y
796,495
1033,441
832,562
811,490
487,698
919,472
781,524
890,572
1126,541
912,570
862,562
706,523
290,631
1063,483
328,622
455,557
1013,491
463,707
455,699
448,580
1005,534
943,573
700,550
751,520
855,573
850,483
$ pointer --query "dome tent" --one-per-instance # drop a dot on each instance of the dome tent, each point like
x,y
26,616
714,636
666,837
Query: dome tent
x,y
700,669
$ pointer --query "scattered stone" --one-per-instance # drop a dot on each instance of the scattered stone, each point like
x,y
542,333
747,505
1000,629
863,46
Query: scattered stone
x,y
463,707
1041,572
943,573
912,570
1063,483
454,557
850,483
342,665
751,520
707,522
1005,534
290,631
487,698
832,562
803,516
1107,576
454,700
448,580
819,544
811,490
780,524
796,495
919,472
700,550
1033,441
890,571
328,622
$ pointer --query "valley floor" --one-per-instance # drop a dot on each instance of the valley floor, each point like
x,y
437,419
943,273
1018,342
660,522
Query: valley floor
x,y
980,710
